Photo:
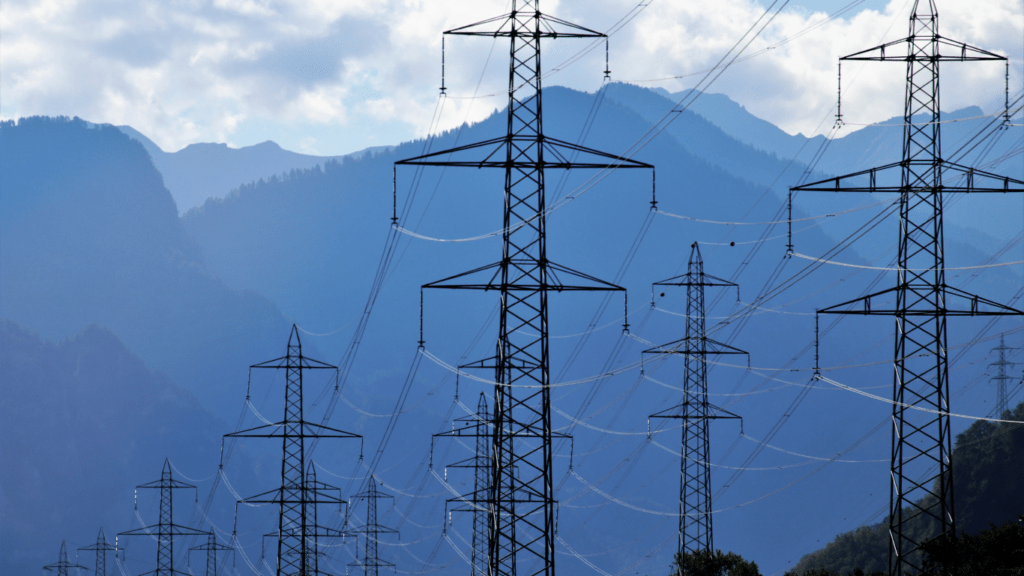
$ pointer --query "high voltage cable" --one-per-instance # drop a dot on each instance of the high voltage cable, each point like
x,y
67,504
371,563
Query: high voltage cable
x,y
912,406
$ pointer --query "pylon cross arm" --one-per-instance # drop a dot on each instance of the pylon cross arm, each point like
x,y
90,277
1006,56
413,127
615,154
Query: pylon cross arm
x,y
556,153
973,305
961,52
678,412
888,179
695,346
550,27
278,430
174,530
490,281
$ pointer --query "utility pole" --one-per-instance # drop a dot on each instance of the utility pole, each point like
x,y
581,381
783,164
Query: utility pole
x,y
63,566
211,548
921,465
101,547
300,493
165,531
520,497
371,531
1001,377
695,529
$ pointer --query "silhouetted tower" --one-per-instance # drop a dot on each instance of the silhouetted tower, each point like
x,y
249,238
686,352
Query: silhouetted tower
x,y
101,547
63,566
695,530
1001,377
921,439
477,426
371,531
521,499
300,493
211,548
165,531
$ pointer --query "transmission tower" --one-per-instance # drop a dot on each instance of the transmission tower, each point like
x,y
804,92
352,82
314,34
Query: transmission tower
x,y
211,548
165,531
300,493
695,533
371,531
477,426
921,487
101,547
1001,377
520,496
63,565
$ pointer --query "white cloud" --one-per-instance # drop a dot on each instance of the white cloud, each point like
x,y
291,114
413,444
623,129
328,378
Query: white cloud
x,y
348,73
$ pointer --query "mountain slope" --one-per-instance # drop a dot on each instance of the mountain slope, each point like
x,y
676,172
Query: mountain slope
x,y
207,170
987,484
82,422
89,235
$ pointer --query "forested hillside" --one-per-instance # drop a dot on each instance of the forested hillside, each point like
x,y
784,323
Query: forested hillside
x,y
988,484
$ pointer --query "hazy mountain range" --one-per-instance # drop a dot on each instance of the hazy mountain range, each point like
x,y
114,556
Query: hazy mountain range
x,y
188,267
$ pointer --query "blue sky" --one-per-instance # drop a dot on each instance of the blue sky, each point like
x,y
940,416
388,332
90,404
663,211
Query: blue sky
x,y
335,76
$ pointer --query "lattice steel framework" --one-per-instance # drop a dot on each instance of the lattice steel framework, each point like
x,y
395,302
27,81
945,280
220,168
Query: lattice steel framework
x,y
300,493
521,493
695,527
477,426
921,489
63,565
371,531
211,547
165,531
101,547
1001,377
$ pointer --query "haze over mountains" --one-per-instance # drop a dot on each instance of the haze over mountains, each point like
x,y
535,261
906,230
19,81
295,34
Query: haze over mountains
x,y
113,257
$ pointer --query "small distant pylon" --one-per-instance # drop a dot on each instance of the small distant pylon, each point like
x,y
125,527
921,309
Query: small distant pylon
x,y
101,547
165,530
695,528
211,548
476,426
63,565
298,533
1001,377
371,531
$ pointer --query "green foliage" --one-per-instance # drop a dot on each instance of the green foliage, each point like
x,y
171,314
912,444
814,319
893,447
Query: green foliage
x,y
826,572
706,563
993,552
988,487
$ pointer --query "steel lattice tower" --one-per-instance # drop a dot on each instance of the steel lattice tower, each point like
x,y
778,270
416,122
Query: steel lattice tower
x,y
477,426
371,531
211,548
1001,377
520,491
101,547
165,531
300,493
695,529
921,488
63,565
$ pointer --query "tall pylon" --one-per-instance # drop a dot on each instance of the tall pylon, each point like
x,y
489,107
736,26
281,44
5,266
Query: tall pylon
x,y
101,547
695,526
520,496
300,493
165,531
1001,377
211,547
479,427
371,531
921,467
63,565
